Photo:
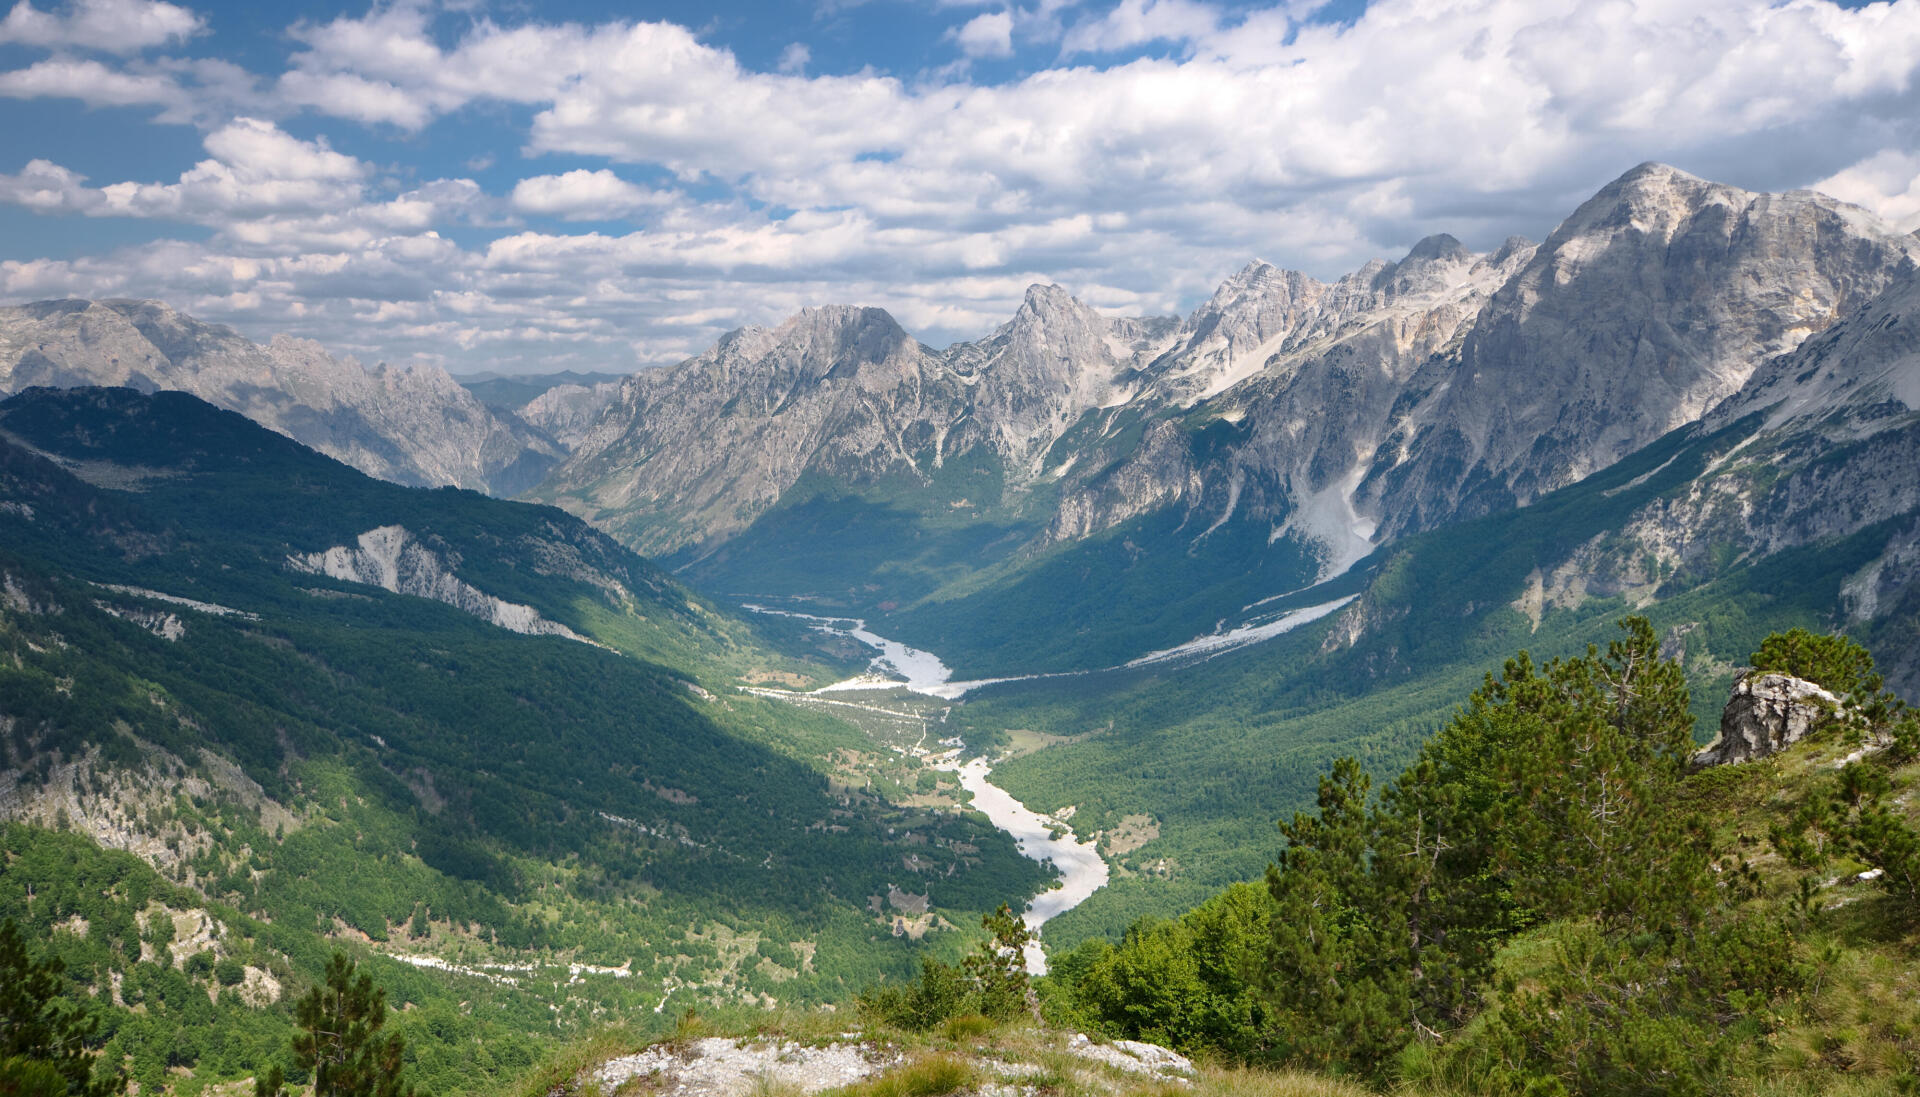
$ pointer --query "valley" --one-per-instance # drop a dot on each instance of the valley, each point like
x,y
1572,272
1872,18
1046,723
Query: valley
x,y
758,682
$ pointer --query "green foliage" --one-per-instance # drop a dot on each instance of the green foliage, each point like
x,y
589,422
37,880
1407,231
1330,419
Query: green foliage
x,y
1631,1014
1190,983
340,1042
1547,796
46,1043
1529,908
1833,661
23,1077
991,982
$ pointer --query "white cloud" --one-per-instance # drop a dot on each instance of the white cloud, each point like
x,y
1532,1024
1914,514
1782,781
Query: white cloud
x,y
202,91
45,187
583,195
795,58
90,82
345,95
1137,22
1888,183
1138,185
988,35
115,26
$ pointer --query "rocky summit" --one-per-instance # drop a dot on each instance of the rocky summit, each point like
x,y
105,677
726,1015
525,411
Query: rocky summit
x,y
1341,415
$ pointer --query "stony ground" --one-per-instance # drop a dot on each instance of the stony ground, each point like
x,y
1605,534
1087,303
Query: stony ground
x,y
734,1067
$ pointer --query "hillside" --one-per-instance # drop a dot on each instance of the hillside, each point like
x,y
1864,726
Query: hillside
x,y
487,748
1733,927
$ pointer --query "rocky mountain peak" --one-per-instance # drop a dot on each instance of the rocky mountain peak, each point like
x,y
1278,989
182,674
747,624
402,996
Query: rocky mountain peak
x,y
1652,198
1433,264
1047,299
1652,302
829,339
1440,247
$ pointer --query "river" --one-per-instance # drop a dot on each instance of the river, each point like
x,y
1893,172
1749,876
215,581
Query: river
x,y
1045,839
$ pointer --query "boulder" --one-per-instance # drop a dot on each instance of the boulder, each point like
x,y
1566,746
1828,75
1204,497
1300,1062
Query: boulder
x,y
1766,714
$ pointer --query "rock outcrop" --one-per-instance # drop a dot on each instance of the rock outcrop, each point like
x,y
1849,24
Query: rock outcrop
x,y
394,560
1766,714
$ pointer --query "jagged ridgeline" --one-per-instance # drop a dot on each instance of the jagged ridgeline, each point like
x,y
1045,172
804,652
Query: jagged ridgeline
x,y
253,702
1077,489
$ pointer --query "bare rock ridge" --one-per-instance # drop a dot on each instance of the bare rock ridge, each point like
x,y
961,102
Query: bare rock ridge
x,y
1658,298
411,425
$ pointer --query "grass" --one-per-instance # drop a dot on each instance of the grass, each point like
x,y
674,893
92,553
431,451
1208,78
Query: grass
x,y
563,1069
927,1074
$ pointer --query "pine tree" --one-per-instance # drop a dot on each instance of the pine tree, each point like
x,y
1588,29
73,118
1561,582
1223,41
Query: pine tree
x,y
43,1040
340,1039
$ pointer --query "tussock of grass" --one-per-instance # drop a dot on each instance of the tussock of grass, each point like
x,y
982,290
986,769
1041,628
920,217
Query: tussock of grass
x,y
563,1070
968,1027
924,1075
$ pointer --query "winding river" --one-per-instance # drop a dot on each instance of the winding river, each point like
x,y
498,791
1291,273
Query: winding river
x,y
1082,870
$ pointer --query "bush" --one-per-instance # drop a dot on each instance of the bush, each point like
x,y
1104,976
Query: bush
x,y
230,972
992,983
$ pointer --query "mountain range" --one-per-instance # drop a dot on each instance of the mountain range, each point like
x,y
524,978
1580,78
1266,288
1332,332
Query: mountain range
x,y
1284,418
1690,402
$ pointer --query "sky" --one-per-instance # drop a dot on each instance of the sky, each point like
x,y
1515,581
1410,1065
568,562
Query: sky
x,y
527,186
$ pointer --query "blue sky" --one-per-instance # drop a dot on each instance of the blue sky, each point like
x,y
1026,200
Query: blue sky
x,y
522,186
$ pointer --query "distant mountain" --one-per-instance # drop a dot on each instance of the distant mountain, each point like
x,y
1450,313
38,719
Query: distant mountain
x,y
1169,471
513,391
412,425
1109,484
688,456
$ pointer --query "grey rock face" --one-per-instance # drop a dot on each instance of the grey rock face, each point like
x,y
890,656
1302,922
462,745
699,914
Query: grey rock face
x,y
412,426
1827,445
694,453
1766,714
1656,300
567,412
1310,373
1403,396
394,560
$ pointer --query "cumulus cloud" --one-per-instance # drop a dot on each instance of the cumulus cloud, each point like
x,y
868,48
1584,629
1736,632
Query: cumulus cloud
x,y
1888,183
582,195
115,26
988,35
90,82
262,190
1138,184
1136,22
